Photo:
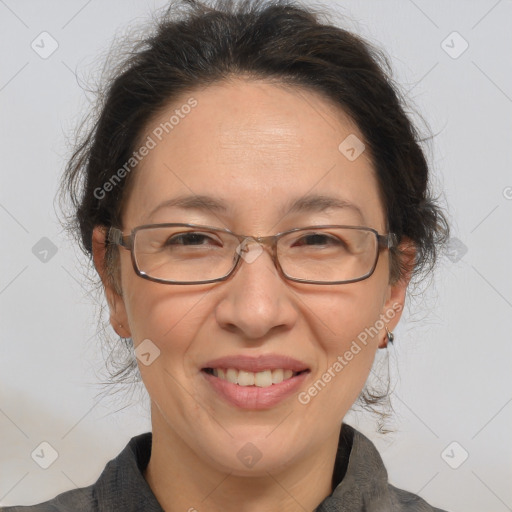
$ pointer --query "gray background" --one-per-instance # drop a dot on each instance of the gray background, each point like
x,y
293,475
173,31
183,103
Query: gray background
x,y
452,356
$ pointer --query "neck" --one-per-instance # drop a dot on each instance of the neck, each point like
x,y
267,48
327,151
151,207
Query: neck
x,y
182,480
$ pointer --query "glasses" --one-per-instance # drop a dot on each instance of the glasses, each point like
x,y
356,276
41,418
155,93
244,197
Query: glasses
x,y
194,254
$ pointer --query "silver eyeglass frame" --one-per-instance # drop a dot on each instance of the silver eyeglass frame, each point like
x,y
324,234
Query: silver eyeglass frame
x,y
269,243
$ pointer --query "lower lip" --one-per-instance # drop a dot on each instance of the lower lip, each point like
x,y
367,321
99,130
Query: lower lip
x,y
254,397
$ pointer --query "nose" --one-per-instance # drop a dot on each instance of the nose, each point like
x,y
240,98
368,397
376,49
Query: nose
x,y
257,299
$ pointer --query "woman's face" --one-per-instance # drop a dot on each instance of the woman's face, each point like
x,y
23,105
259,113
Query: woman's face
x,y
255,148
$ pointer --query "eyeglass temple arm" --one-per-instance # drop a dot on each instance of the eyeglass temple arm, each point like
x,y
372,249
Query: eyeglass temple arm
x,y
388,241
115,236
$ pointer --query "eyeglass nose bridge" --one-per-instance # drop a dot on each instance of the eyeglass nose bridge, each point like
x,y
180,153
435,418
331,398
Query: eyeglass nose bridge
x,y
267,243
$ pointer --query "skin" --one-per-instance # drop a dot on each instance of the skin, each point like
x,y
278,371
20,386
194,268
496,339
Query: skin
x,y
257,146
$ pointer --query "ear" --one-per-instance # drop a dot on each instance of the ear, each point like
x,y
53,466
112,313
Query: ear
x,y
118,316
395,297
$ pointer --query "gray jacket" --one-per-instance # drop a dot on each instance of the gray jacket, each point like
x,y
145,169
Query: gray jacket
x,y
360,483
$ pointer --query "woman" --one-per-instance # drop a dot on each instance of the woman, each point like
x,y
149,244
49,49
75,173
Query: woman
x,y
256,203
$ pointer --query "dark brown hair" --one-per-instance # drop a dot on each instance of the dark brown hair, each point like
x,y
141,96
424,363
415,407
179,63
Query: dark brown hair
x,y
193,45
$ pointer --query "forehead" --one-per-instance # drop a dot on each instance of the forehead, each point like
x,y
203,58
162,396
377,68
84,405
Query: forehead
x,y
255,145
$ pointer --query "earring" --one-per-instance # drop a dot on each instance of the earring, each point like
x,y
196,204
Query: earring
x,y
391,336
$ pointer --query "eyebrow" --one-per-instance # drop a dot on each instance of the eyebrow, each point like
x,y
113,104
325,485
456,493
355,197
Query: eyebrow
x,y
311,203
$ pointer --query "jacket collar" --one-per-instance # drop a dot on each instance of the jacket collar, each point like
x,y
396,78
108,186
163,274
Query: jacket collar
x,y
364,485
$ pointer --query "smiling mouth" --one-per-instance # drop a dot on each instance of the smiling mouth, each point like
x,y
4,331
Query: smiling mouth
x,y
262,379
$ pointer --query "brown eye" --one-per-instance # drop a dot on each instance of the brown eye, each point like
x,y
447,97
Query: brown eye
x,y
189,239
320,239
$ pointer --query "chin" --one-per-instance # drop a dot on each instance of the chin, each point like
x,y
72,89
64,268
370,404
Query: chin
x,y
252,451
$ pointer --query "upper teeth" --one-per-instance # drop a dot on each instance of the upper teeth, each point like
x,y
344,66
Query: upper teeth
x,y
261,379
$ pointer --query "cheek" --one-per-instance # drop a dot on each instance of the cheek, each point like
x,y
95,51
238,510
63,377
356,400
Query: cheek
x,y
348,331
170,319
169,315
154,310
342,317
